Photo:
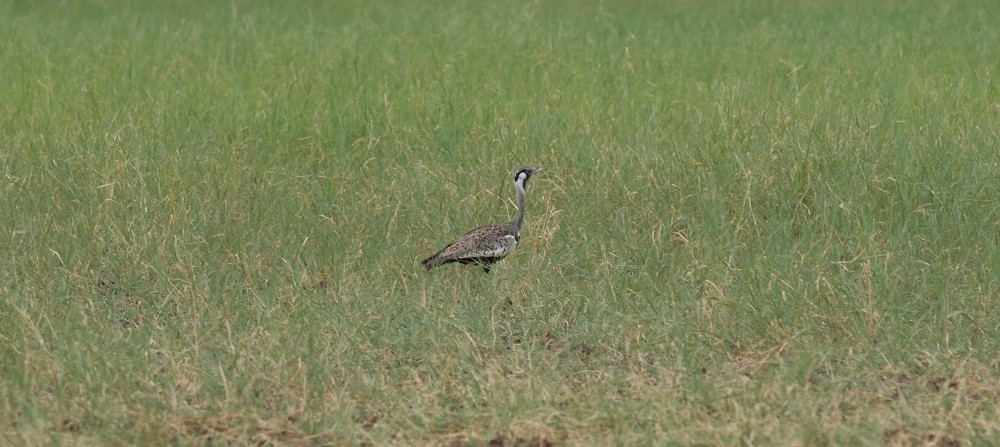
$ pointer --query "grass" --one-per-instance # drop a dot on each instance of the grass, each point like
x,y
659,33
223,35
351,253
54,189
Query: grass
x,y
760,223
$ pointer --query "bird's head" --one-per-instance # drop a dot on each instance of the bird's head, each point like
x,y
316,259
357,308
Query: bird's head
x,y
522,175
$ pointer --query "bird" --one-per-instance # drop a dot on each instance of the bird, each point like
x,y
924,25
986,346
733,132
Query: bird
x,y
489,243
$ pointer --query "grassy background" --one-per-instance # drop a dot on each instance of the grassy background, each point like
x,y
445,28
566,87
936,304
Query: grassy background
x,y
759,223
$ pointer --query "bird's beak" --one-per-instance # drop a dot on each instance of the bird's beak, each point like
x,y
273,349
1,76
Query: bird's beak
x,y
538,170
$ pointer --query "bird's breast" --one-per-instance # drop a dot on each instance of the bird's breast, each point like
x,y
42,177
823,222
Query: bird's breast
x,y
510,245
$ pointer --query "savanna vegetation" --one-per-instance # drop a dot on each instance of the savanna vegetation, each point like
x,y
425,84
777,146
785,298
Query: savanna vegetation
x,y
760,223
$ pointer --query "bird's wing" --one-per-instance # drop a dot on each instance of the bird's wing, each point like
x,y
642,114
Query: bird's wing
x,y
488,241
499,248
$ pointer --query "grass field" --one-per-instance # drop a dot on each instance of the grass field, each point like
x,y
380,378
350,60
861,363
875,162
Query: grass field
x,y
760,223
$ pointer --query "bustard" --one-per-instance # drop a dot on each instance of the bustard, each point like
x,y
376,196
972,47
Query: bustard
x,y
487,244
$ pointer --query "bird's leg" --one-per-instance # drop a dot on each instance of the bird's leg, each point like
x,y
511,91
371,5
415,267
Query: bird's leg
x,y
486,268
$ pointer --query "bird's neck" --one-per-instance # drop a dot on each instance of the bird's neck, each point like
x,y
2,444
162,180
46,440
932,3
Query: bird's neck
x,y
519,187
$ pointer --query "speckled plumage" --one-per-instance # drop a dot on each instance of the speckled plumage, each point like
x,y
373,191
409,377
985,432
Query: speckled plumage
x,y
490,243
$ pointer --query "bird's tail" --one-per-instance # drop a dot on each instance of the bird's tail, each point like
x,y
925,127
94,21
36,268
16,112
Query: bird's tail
x,y
432,261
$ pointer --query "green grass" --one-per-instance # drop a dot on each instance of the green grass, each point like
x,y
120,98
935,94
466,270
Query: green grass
x,y
760,223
